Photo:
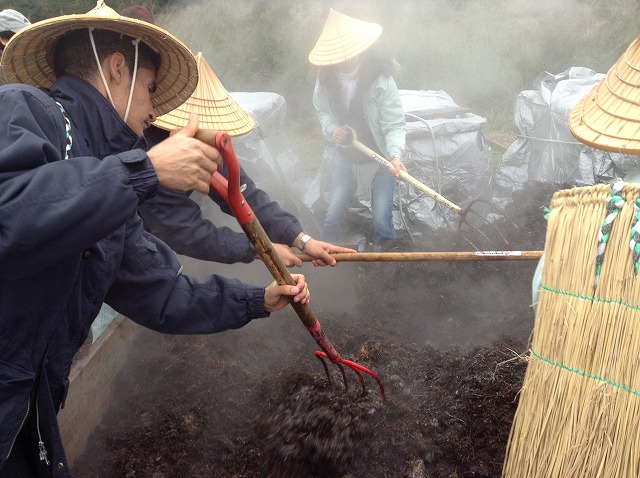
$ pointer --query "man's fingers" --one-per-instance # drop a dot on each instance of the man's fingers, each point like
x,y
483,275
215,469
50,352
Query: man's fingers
x,y
217,158
203,187
191,128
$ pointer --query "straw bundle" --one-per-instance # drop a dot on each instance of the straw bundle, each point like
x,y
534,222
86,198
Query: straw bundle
x,y
579,408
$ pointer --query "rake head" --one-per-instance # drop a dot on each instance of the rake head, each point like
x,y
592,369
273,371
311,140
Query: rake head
x,y
474,224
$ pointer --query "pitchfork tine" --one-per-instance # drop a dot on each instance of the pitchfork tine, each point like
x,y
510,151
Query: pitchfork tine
x,y
321,356
356,367
469,210
318,355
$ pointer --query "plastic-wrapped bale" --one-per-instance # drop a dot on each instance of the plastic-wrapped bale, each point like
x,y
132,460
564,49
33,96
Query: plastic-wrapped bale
x,y
447,151
579,405
544,149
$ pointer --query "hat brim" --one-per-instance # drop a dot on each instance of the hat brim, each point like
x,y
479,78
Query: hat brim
x,y
342,39
608,118
25,57
215,107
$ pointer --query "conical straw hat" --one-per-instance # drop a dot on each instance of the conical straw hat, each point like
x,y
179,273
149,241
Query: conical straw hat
x,y
608,118
215,107
343,38
26,56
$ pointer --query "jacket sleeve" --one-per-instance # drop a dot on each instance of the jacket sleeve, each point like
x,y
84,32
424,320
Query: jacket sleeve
x,y
323,110
177,220
45,200
391,122
281,226
151,290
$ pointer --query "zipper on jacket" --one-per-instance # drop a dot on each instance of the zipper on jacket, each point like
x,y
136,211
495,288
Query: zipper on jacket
x,y
41,448
19,430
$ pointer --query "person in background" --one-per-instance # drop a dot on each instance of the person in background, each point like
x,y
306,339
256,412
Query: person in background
x,y
139,12
74,167
11,22
355,89
177,219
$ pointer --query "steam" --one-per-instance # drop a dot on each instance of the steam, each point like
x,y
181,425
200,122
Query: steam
x,y
480,52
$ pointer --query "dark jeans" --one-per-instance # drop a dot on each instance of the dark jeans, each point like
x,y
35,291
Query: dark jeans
x,y
343,187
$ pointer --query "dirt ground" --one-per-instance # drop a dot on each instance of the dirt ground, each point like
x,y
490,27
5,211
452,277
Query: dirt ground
x,y
446,338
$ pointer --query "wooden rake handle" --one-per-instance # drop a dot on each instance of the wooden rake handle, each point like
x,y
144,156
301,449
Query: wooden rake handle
x,y
230,191
406,177
431,256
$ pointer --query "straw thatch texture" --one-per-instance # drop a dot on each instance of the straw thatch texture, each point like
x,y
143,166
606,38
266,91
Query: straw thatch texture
x,y
579,408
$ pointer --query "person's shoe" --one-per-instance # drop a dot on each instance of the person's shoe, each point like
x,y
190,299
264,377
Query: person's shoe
x,y
401,244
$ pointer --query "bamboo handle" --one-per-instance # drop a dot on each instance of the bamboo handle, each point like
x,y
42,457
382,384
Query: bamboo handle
x,y
431,256
406,177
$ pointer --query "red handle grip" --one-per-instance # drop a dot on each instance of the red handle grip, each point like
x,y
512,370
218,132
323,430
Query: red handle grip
x,y
230,189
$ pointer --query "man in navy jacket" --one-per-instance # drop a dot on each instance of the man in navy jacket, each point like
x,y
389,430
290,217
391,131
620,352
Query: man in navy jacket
x,y
73,171
177,219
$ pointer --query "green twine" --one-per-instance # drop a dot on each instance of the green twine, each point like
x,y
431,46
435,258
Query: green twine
x,y
575,370
585,374
614,204
591,298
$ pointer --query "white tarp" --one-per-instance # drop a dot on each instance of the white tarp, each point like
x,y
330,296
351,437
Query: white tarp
x,y
449,154
545,149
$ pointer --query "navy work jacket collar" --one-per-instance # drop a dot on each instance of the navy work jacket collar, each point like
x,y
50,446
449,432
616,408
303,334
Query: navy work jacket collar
x,y
96,127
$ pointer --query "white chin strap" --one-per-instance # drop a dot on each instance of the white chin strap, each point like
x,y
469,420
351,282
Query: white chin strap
x,y
135,42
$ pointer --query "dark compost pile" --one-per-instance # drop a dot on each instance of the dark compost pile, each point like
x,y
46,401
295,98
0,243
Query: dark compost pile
x,y
446,338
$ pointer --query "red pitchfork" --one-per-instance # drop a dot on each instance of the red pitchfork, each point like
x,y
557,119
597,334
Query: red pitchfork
x,y
230,191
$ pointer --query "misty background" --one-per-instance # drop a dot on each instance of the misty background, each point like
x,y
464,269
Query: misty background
x,y
481,52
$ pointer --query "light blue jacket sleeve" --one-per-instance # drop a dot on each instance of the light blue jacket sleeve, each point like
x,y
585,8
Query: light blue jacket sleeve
x,y
383,110
535,283
386,117
323,110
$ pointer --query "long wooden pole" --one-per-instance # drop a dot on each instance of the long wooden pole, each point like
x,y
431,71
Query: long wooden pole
x,y
432,256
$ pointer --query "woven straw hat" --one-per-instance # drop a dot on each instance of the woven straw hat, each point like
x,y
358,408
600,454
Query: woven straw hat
x,y
343,38
212,103
608,118
25,58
